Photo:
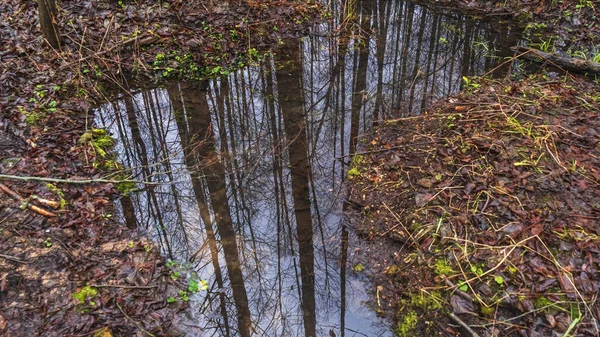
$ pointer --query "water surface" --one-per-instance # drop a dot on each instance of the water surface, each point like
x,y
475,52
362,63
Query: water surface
x,y
253,165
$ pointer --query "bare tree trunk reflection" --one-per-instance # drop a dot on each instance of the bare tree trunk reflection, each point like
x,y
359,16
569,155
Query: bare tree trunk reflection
x,y
203,159
382,21
291,101
128,211
140,151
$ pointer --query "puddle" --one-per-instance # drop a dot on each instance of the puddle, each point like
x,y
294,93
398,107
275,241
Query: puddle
x,y
251,167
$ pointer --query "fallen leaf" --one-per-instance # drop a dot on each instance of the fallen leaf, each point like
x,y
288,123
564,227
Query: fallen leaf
x,y
461,305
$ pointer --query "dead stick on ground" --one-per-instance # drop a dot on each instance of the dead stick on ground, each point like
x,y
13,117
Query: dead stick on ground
x,y
142,40
464,325
72,181
46,202
121,286
12,258
458,291
17,197
568,63
381,150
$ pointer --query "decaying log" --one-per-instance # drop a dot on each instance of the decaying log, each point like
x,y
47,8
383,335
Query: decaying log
x,y
567,63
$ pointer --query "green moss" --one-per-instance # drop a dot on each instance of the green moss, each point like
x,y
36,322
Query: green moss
x,y
427,300
487,311
392,270
33,117
442,267
353,173
126,187
356,160
86,293
407,324
99,139
104,142
544,302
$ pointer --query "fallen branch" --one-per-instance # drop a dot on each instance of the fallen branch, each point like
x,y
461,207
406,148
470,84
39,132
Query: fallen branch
x,y
568,63
463,325
139,325
46,202
121,286
73,181
461,293
378,150
141,40
24,201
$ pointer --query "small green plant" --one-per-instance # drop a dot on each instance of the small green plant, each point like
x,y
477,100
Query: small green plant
x,y
477,270
547,45
487,311
184,295
535,26
254,55
39,91
469,83
174,269
194,283
451,120
48,243
531,162
159,59
585,4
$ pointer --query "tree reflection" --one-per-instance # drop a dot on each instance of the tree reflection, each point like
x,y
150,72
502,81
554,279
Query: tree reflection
x,y
251,167
291,101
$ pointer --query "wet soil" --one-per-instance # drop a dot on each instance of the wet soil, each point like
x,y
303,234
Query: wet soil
x,y
50,255
491,199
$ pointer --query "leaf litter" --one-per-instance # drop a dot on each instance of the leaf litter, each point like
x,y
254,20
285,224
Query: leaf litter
x,y
490,199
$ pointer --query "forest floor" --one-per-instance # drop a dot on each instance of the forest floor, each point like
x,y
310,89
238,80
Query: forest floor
x,y
487,203
67,268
